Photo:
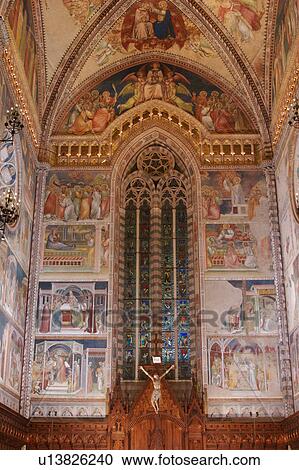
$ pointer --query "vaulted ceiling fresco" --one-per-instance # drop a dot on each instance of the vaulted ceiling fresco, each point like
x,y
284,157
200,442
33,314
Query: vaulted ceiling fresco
x,y
63,20
130,38
245,21
137,31
234,44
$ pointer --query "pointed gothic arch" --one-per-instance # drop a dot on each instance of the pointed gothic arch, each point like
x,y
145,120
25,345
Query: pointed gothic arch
x,y
179,148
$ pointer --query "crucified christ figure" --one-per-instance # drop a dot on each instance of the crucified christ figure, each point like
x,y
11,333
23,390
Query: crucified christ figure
x,y
156,395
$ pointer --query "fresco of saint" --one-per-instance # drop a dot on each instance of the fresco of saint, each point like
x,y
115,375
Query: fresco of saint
x,y
230,247
243,365
241,17
4,335
80,10
21,20
249,308
70,245
93,113
235,194
294,344
58,369
73,198
15,362
153,23
285,35
70,309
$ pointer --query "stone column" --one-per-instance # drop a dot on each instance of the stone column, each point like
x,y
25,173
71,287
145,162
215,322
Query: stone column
x,y
284,347
32,299
193,277
137,293
119,318
155,275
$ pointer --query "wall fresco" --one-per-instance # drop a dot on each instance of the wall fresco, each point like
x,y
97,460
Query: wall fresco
x,y
73,196
242,307
17,172
239,311
245,366
70,357
237,230
71,246
125,90
68,308
285,36
286,172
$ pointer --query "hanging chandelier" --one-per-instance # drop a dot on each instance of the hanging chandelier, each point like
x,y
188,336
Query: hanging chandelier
x,y
294,114
13,123
9,210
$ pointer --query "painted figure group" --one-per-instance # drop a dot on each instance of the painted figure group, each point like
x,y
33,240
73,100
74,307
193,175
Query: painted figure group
x,y
96,110
249,369
58,370
78,202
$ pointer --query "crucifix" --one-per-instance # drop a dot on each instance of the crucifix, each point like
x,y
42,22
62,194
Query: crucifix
x,y
156,379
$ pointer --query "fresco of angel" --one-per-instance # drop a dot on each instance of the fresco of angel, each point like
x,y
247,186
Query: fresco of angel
x,y
80,10
174,84
197,43
160,83
135,87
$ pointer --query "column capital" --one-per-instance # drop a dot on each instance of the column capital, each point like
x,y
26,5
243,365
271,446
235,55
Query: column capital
x,y
42,167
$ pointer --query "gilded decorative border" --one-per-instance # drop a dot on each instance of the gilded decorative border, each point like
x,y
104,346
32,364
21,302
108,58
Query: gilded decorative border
x,y
292,163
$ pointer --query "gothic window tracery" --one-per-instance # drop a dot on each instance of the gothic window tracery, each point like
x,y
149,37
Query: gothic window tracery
x,y
174,273
156,264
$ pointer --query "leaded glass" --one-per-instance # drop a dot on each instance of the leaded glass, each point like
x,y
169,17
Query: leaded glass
x,y
168,339
157,179
129,291
174,277
183,311
145,323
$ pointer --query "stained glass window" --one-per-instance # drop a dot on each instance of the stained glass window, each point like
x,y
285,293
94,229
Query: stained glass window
x,y
156,179
137,318
130,291
145,323
174,275
182,276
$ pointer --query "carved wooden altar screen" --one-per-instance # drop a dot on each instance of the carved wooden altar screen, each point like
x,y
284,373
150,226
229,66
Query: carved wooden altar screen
x,y
176,427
